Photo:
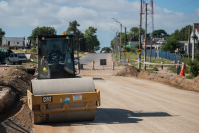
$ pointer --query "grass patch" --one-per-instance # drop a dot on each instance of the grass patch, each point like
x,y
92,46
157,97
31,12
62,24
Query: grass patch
x,y
27,51
172,69
22,68
190,77
133,60
80,53
155,69
8,75
35,61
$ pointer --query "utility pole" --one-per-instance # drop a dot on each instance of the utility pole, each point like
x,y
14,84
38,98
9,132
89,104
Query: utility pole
x,y
125,39
189,42
120,43
116,45
151,47
139,62
125,44
145,38
193,44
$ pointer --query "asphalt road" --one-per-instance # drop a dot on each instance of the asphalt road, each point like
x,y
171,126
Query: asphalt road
x,y
87,59
131,105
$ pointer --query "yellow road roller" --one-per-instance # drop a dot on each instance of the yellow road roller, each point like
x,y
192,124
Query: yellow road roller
x,y
57,94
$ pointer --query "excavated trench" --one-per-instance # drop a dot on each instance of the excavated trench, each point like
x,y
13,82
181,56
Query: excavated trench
x,y
17,116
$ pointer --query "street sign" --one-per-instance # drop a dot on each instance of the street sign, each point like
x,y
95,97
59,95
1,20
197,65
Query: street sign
x,y
124,51
139,51
102,61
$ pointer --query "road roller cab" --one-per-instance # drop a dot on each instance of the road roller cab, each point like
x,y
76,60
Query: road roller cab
x,y
57,95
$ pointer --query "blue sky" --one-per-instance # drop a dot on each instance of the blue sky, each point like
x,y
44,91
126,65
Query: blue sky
x,y
19,17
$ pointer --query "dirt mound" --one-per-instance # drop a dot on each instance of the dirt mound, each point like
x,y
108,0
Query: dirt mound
x,y
20,121
18,80
143,74
129,71
179,82
196,78
169,79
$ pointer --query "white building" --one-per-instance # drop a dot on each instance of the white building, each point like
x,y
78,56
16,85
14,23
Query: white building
x,y
13,42
134,40
191,39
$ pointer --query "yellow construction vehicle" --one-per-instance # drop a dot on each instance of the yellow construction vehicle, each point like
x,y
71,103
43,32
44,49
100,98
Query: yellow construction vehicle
x,y
57,94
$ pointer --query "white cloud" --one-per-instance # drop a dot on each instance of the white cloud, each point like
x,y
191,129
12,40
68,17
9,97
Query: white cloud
x,y
96,13
168,19
105,5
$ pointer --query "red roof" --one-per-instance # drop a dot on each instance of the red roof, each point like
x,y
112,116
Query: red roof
x,y
148,42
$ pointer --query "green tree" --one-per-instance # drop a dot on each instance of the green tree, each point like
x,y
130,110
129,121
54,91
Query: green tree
x,y
148,36
97,47
41,31
182,35
170,44
2,33
176,34
91,39
73,30
111,43
134,32
136,46
106,48
159,33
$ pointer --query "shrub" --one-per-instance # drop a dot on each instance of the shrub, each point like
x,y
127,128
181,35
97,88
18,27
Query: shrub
x,y
155,69
150,66
132,50
194,67
172,69
128,49
33,49
189,77
136,46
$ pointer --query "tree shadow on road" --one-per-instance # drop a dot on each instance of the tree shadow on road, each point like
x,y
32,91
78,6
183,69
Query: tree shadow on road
x,y
115,116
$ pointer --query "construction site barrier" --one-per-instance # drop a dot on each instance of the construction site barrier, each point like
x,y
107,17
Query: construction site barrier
x,y
113,65
93,65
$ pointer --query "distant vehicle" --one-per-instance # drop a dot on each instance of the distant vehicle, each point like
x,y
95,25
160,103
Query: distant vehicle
x,y
75,60
7,56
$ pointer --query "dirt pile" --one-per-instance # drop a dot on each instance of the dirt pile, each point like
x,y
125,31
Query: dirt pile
x,y
169,79
178,82
18,80
20,121
129,71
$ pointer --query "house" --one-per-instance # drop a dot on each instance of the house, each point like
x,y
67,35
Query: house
x,y
13,42
131,42
196,25
148,45
181,50
134,40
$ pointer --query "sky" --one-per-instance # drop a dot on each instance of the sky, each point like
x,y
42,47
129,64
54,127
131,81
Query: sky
x,y
19,17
